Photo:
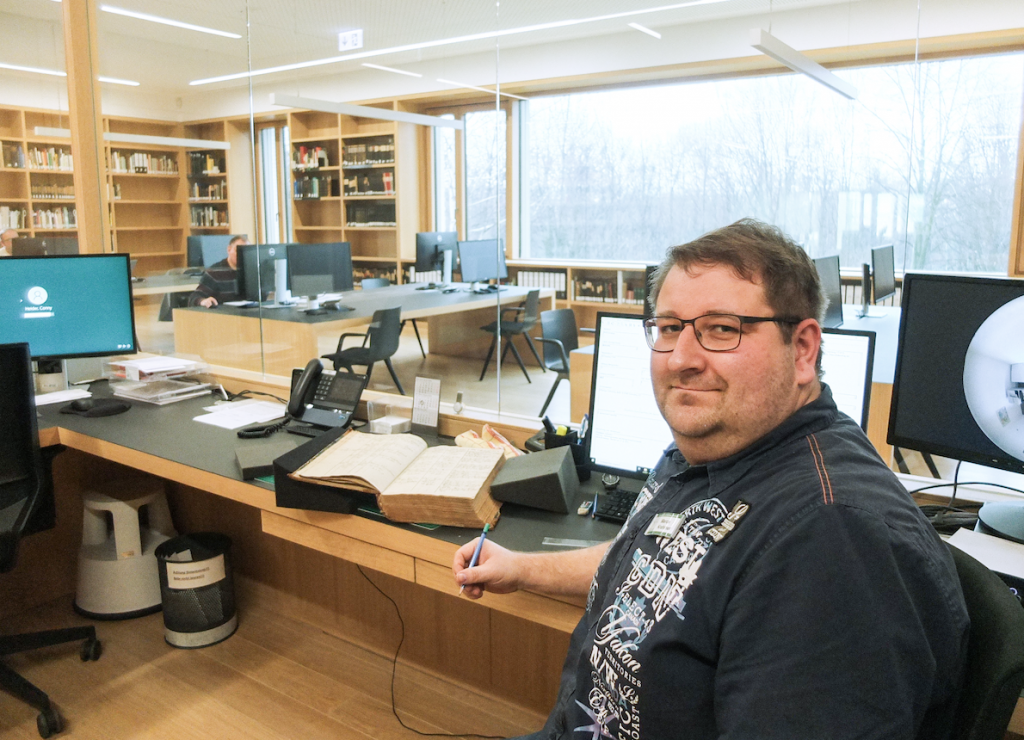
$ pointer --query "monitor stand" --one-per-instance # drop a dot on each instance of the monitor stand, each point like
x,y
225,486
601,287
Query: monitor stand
x,y
869,312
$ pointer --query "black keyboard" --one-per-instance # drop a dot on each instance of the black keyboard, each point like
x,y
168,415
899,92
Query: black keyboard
x,y
615,505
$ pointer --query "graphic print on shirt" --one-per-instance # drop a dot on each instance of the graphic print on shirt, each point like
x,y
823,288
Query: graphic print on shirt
x,y
654,589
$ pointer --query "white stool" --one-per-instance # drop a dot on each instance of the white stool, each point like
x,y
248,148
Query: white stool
x,y
117,567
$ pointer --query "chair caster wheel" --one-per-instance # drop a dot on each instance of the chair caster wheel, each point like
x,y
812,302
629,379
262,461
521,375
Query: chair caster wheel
x,y
91,649
49,722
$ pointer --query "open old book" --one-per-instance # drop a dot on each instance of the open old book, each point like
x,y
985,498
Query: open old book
x,y
412,482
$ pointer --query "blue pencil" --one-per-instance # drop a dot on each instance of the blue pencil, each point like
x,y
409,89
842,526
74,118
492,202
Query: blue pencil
x,y
476,552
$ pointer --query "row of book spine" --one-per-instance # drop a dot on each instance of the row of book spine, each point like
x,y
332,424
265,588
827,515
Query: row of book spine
x,y
204,163
310,158
50,158
313,188
412,275
606,291
12,218
14,156
543,279
55,218
209,216
52,191
209,191
361,273
371,214
355,155
382,183
143,163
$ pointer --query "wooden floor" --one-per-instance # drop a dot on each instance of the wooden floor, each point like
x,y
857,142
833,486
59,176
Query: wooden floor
x,y
275,678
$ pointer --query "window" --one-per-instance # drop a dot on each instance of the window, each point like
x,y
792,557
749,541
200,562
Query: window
x,y
485,179
444,178
925,159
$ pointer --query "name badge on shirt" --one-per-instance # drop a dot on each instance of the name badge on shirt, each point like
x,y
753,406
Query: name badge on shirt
x,y
665,525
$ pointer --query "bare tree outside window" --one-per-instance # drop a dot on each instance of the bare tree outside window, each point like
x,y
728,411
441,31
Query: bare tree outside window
x,y
923,159
485,179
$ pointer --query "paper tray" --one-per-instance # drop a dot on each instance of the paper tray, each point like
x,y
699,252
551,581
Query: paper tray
x,y
293,494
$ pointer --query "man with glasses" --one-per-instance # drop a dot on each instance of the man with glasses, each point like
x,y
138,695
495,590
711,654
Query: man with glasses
x,y
7,238
774,579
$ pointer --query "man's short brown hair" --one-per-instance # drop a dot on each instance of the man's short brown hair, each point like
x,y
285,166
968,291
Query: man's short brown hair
x,y
756,251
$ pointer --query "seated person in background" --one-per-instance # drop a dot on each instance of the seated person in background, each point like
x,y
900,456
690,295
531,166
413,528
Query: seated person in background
x,y
774,579
6,240
220,281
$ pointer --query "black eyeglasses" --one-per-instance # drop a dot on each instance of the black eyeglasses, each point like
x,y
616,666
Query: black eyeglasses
x,y
716,332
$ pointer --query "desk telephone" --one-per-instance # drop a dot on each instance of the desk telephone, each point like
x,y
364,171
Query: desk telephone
x,y
322,399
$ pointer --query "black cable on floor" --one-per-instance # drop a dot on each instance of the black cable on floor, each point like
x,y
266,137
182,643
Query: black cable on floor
x,y
394,670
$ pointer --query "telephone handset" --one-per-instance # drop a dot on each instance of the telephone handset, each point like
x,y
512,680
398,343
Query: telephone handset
x,y
304,387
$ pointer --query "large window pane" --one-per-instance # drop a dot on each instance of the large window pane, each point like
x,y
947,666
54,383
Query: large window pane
x,y
924,158
485,179
444,178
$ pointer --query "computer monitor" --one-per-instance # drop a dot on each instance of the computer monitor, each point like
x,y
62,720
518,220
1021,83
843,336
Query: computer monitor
x,y
627,432
483,260
958,390
206,250
319,268
430,249
831,288
71,306
883,272
847,362
26,246
256,269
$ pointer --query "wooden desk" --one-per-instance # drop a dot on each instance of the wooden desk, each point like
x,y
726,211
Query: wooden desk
x,y
513,648
161,284
288,337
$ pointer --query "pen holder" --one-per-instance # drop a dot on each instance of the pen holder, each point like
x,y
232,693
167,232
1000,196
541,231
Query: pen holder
x,y
579,452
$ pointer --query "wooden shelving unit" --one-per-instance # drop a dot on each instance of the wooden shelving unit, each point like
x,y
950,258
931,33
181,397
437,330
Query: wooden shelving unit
x,y
586,288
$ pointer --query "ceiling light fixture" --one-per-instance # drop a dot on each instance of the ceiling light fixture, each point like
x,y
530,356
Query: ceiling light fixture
x,y
797,61
65,133
481,89
644,29
449,41
362,111
167,21
391,69
60,73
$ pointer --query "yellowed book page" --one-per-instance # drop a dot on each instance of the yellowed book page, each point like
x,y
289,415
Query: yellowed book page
x,y
376,458
451,472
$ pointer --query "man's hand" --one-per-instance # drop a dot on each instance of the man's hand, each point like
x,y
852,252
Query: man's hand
x,y
208,302
496,571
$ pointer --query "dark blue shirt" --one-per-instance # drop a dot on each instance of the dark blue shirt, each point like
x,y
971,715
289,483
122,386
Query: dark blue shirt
x,y
794,591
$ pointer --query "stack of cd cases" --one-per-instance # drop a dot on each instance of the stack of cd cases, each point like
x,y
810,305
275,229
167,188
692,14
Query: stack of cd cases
x,y
159,392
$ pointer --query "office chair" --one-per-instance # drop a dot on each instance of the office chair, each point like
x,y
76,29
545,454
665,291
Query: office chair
x,y
559,337
171,301
995,653
382,334
509,329
373,283
23,482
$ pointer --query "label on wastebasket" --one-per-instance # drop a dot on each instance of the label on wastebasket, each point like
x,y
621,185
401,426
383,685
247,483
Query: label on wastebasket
x,y
195,575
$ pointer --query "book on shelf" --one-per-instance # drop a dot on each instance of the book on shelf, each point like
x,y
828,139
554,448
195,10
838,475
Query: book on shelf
x,y
411,481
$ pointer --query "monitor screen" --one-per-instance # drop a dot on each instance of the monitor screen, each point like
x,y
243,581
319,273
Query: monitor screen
x,y
429,248
73,306
627,431
44,246
883,272
959,384
207,250
831,288
319,268
256,269
847,361
482,260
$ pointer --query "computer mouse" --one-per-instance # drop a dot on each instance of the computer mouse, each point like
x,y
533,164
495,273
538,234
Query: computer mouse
x,y
81,405
92,407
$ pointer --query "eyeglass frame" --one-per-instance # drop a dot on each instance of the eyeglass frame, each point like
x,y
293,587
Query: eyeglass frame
x,y
649,323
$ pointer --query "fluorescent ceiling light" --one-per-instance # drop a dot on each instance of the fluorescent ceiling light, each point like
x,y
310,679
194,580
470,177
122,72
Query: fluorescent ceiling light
x,y
167,21
765,43
60,73
453,83
644,29
449,41
363,111
65,133
392,69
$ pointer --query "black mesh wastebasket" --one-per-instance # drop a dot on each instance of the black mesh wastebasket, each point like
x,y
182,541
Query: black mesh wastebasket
x,y
197,589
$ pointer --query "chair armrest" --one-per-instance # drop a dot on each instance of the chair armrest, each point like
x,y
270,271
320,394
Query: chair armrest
x,y
561,351
343,337
513,309
587,330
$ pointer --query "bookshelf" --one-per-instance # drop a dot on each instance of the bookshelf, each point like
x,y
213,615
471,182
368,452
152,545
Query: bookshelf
x,y
356,179
207,176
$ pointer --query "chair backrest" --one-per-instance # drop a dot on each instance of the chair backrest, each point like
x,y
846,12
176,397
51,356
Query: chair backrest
x,y
531,310
21,462
372,283
385,330
558,324
995,653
